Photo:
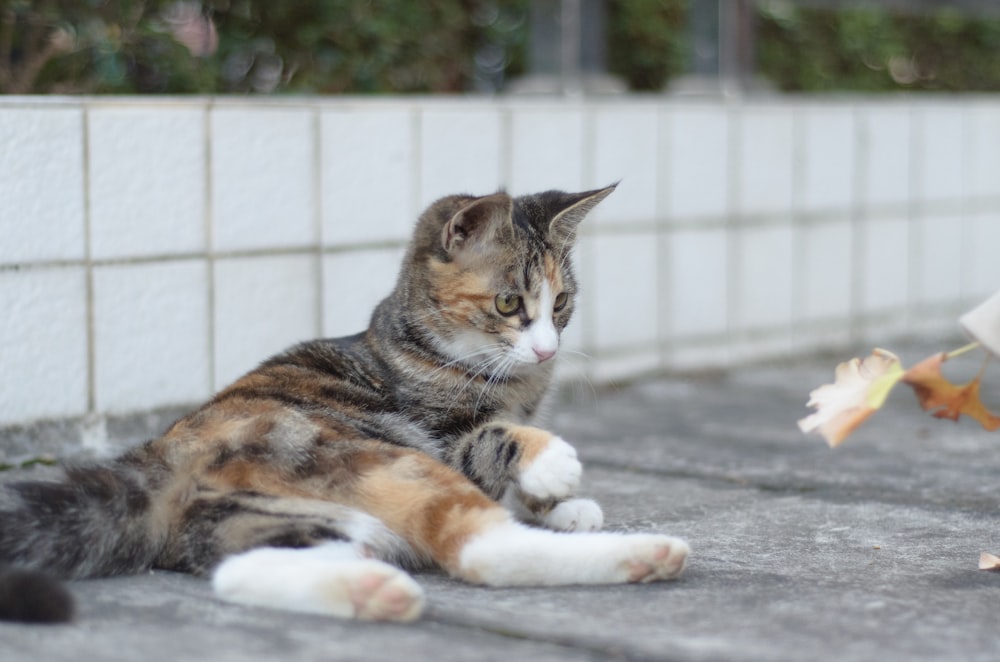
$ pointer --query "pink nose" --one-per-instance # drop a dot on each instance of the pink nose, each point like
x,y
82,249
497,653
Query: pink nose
x,y
544,354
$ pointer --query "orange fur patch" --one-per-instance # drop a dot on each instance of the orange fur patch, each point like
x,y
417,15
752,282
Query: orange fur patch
x,y
532,442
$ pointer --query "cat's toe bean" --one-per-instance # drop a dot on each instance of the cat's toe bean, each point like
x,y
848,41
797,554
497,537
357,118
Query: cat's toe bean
x,y
656,558
575,515
554,473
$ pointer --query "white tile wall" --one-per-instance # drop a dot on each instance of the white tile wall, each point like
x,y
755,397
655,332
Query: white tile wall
x,y
263,188
262,305
699,282
983,266
547,150
939,279
147,180
827,154
353,284
828,267
885,265
367,188
982,139
41,185
461,152
625,300
43,344
151,345
941,141
765,280
695,176
626,149
766,160
886,147
215,233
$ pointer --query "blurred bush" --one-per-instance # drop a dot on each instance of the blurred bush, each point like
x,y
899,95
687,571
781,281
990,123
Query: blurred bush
x,y
869,48
368,46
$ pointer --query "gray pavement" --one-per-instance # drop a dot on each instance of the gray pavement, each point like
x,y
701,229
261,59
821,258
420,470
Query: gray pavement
x,y
865,552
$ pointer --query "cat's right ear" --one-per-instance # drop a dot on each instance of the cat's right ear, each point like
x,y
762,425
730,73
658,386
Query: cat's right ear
x,y
476,224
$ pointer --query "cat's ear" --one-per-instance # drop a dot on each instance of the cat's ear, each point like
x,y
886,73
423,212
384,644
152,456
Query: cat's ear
x,y
477,223
571,209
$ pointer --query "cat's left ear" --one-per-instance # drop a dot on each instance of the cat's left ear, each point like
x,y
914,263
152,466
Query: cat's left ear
x,y
477,223
573,208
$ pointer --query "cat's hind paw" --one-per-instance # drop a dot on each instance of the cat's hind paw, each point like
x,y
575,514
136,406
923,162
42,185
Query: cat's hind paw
x,y
553,474
575,515
656,558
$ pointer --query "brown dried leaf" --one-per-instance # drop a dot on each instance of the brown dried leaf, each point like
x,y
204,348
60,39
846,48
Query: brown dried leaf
x,y
945,399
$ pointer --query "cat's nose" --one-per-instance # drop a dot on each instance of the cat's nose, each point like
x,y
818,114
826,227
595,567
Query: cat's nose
x,y
543,354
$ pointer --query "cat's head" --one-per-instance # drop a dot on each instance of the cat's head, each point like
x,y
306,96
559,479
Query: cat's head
x,y
493,276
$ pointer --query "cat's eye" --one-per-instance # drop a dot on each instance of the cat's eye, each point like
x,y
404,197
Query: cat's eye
x,y
561,300
508,304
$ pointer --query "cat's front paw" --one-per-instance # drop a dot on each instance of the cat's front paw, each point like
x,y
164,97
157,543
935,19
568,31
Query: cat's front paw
x,y
575,515
552,474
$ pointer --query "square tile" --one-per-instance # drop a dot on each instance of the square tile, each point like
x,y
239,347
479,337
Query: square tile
x,y
263,190
41,185
886,154
698,268
765,278
546,149
353,284
460,152
696,164
885,264
623,295
828,267
147,180
626,149
828,159
263,305
939,266
151,345
43,344
766,167
983,139
940,153
368,179
982,268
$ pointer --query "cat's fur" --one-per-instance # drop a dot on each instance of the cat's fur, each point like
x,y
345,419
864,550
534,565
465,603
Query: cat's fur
x,y
311,481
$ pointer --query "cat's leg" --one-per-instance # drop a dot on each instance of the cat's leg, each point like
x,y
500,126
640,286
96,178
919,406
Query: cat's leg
x,y
442,514
298,554
534,471
331,579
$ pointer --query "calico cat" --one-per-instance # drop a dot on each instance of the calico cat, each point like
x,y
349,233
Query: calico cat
x,y
312,482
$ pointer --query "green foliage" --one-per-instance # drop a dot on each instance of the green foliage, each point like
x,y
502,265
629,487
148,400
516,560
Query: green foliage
x,y
646,44
868,48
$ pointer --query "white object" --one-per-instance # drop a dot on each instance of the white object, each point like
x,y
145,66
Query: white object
x,y
983,324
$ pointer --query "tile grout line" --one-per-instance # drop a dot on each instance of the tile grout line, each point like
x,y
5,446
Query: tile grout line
x,y
88,268
318,214
209,193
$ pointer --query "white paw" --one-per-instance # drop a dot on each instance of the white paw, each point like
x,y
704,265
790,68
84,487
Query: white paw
x,y
575,515
554,473
655,557
318,582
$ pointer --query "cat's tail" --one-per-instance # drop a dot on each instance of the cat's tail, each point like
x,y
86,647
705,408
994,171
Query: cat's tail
x,y
96,521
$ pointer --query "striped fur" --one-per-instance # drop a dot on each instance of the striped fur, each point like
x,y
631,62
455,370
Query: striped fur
x,y
358,456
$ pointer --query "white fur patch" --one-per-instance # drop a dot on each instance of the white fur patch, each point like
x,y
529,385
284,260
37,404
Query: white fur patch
x,y
330,579
540,338
515,555
554,474
575,515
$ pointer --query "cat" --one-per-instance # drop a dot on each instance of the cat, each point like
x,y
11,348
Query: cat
x,y
314,482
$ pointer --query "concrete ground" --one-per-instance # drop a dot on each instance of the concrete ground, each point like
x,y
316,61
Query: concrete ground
x,y
865,552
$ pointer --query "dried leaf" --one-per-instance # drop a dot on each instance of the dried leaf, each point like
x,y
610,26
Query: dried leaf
x,y
860,387
945,399
988,561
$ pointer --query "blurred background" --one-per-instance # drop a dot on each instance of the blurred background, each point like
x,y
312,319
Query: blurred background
x,y
457,46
